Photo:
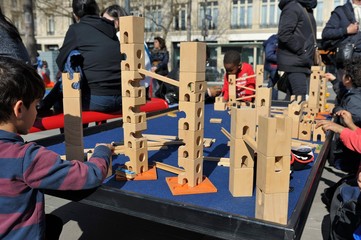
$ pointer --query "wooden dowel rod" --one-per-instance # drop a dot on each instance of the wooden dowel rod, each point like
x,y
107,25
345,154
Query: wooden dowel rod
x,y
241,98
168,168
250,76
226,133
159,77
250,141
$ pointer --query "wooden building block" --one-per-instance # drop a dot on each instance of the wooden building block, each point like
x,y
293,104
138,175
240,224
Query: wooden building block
x,y
243,121
318,134
192,87
273,173
304,130
259,76
136,118
134,57
274,135
241,182
133,92
241,155
193,174
314,90
272,207
220,104
232,96
190,151
191,123
129,128
194,137
71,87
192,57
138,160
196,97
187,77
192,109
131,30
131,78
133,144
263,97
131,105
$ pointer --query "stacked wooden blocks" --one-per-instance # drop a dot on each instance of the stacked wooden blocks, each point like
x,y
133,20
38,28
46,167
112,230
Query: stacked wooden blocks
x,y
133,94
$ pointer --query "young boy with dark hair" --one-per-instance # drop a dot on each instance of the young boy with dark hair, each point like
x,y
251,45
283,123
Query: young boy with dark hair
x,y
233,65
27,168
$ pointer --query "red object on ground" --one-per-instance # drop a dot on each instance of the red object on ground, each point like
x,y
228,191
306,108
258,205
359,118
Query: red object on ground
x,y
57,120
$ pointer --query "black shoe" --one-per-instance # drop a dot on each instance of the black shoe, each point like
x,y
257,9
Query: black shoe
x,y
327,195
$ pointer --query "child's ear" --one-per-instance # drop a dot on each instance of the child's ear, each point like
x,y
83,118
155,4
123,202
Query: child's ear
x,y
18,109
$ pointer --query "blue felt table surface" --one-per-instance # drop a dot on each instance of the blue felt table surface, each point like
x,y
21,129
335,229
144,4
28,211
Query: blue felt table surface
x,y
222,200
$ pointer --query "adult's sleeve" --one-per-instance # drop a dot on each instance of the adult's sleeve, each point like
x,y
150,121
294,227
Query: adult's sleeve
x,y
333,29
289,20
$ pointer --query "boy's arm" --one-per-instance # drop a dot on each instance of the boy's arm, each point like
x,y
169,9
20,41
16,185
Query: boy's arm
x,y
351,139
44,169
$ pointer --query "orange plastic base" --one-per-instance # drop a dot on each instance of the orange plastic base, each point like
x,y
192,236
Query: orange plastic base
x,y
178,189
151,174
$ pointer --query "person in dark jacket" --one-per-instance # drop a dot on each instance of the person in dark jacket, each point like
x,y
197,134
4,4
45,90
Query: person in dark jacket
x,y
270,64
95,38
11,43
296,44
341,28
159,57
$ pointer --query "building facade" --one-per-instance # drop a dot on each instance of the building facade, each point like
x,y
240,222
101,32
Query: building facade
x,y
223,24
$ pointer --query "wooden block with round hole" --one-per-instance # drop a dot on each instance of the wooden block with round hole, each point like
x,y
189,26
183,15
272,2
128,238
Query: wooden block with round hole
x,y
243,121
241,155
193,171
134,57
138,160
131,29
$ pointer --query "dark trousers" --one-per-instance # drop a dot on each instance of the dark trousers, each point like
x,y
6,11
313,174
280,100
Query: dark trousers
x,y
298,84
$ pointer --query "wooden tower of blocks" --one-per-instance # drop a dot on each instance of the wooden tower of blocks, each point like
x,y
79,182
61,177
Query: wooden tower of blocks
x,y
232,99
192,87
263,98
133,95
294,111
273,168
241,169
73,127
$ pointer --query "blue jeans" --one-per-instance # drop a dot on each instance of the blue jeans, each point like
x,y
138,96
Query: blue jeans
x,y
102,103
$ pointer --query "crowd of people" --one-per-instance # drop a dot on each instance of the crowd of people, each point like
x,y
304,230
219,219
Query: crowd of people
x,y
91,47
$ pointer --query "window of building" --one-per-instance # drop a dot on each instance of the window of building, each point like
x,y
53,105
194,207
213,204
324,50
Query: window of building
x,y
14,3
241,14
180,19
338,3
208,15
270,14
318,13
51,25
153,18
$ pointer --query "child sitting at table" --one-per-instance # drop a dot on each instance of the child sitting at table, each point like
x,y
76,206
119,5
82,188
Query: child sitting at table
x,y
349,99
27,168
243,71
345,213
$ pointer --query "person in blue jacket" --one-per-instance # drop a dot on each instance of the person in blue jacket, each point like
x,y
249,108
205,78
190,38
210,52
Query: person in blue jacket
x,y
270,64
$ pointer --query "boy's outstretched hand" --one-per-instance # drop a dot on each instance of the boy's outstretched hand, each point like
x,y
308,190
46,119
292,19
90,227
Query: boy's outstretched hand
x,y
110,146
329,125
347,119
